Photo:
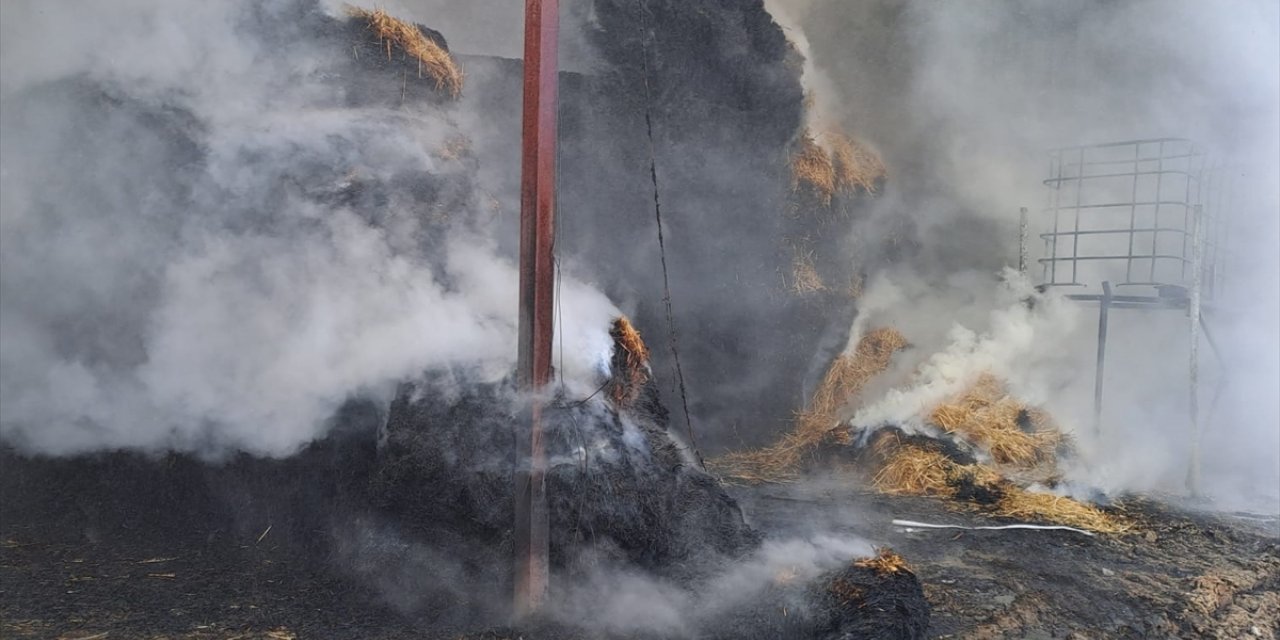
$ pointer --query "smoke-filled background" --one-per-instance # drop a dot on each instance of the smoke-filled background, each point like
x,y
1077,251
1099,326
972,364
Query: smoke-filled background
x,y
964,100
209,244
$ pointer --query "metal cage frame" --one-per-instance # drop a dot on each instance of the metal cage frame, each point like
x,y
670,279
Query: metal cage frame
x,y
1173,193
1168,206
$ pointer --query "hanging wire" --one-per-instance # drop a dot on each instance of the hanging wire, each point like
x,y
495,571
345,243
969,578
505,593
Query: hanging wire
x,y
558,322
657,212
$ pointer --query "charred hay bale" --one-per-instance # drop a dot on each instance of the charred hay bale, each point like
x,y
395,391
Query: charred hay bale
x,y
877,598
877,445
874,599
615,481
706,62
720,85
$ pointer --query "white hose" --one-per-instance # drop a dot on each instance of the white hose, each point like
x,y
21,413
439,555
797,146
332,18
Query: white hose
x,y
925,525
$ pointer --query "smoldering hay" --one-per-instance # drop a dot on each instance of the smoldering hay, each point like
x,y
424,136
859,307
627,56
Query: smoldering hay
x,y
963,101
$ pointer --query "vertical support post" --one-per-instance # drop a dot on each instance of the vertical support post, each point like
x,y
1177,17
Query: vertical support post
x,y
1155,226
1193,313
1075,235
1104,305
1022,241
537,233
1056,205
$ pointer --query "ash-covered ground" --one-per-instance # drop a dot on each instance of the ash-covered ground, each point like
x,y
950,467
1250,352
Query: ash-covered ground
x,y
125,546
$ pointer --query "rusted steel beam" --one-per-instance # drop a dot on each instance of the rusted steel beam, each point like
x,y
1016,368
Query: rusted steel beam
x,y
537,235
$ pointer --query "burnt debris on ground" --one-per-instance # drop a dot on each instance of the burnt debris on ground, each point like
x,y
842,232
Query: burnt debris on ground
x,y
1188,574
92,546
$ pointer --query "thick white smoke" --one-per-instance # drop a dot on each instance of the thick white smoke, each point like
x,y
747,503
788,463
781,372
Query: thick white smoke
x,y
180,269
1018,342
612,601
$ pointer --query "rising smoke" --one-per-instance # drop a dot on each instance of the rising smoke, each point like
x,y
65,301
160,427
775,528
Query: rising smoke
x,y
196,253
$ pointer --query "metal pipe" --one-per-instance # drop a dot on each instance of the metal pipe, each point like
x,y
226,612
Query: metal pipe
x,y
1051,266
1155,235
1095,232
1118,174
537,288
1022,241
1193,313
1116,205
1075,239
1104,305
1133,212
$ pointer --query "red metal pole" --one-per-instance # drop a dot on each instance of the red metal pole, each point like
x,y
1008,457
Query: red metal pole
x,y
537,234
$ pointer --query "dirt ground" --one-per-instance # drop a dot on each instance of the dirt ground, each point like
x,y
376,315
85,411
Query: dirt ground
x,y
1181,574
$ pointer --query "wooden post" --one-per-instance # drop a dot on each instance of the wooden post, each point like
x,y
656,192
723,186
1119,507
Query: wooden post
x,y
536,328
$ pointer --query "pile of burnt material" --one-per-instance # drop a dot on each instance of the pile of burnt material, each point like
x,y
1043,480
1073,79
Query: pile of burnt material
x,y
617,481
421,523
875,598
626,499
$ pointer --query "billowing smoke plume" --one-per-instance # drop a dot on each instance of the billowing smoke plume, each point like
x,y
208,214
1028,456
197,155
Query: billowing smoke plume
x,y
964,100
210,242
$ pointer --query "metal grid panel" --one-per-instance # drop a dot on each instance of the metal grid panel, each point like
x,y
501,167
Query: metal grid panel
x,y
1126,212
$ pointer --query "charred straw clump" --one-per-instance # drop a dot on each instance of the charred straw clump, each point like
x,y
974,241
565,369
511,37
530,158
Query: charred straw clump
x,y
877,597
629,363
433,60
819,422
885,562
850,166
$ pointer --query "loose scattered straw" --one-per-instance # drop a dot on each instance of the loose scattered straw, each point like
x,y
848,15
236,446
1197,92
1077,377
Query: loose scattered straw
x,y
850,165
855,164
819,421
804,274
988,417
432,59
916,471
907,469
811,167
1027,505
